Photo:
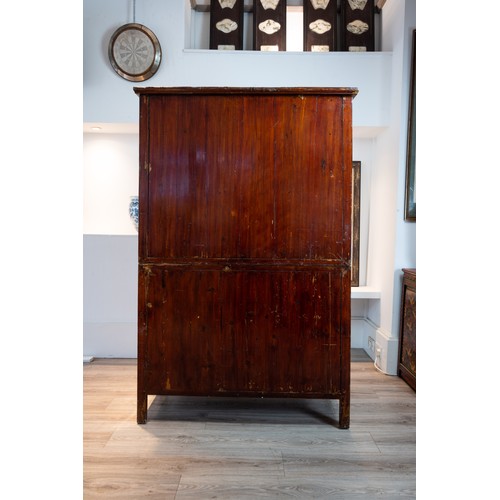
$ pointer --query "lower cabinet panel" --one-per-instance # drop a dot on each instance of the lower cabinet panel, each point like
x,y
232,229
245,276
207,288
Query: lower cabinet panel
x,y
272,333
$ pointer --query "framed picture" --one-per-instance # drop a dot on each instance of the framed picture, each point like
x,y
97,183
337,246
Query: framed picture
x,y
410,191
357,25
356,199
320,25
226,24
269,25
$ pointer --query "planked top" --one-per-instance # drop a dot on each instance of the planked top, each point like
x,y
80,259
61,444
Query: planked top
x,y
338,91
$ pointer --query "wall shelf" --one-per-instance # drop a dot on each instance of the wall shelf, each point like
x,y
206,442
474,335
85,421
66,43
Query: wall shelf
x,y
204,5
365,292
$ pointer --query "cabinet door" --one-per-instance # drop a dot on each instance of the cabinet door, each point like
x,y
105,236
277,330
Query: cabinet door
x,y
211,182
242,331
311,201
248,177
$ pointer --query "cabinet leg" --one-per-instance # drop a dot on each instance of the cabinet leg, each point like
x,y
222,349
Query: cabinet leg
x,y
142,408
344,412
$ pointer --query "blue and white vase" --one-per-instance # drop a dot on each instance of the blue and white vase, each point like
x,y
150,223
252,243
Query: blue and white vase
x,y
133,210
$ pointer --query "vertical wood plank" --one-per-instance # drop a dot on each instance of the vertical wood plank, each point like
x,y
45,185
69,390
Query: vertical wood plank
x,y
144,162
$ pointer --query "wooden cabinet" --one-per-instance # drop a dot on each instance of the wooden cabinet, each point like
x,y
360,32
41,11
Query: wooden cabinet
x,y
407,366
244,243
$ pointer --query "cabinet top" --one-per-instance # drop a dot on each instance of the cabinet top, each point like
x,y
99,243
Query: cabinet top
x,y
410,273
338,91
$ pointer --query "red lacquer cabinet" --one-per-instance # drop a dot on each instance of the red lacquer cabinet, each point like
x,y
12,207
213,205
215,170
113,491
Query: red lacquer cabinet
x,y
244,243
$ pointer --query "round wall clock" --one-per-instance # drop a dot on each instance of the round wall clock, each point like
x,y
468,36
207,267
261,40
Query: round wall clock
x,y
134,52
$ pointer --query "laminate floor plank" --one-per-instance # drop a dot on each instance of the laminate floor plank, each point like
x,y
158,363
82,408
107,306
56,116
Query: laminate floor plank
x,y
230,488
245,448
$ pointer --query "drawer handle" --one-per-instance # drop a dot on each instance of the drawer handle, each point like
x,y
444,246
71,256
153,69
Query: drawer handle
x,y
226,269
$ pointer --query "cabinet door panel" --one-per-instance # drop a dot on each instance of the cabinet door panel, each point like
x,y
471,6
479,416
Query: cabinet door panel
x,y
309,179
211,187
247,178
273,332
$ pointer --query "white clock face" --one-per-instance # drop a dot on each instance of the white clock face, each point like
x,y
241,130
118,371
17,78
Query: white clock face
x,y
134,52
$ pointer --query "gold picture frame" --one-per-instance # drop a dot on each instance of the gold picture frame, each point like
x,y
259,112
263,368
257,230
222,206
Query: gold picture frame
x,y
355,221
410,192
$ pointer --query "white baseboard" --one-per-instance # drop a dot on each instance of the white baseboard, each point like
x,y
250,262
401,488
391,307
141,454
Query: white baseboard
x,y
357,332
388,345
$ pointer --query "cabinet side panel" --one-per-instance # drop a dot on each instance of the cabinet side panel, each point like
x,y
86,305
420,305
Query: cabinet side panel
x,y
345,308
144,163
142,347
142,254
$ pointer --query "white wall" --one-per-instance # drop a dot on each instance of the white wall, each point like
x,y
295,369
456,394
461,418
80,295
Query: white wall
x,y
110,178
110,296
109,98
379,116
396,249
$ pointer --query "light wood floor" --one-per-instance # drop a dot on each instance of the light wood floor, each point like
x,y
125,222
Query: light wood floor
x,y
228,448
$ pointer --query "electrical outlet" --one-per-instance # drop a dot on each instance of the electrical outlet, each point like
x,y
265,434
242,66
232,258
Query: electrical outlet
x,y
371,344
378,352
